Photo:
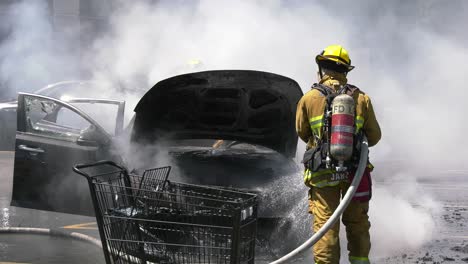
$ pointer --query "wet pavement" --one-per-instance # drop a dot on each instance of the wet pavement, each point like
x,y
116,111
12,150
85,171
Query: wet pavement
x,y
40,249
22,248
450,245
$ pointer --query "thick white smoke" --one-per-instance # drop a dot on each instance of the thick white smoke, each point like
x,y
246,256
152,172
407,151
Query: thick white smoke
x,y
33,52
407,59
157,41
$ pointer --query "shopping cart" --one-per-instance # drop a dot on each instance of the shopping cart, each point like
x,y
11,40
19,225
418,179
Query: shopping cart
x,y
148,219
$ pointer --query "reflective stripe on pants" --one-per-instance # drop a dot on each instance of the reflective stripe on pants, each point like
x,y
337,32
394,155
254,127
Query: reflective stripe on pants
x,y
358,260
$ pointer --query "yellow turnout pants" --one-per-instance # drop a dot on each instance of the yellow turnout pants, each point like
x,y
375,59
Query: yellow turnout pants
x,y
323,202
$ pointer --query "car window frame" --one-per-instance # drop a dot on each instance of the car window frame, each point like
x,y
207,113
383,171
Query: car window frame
x,y
119,123
22,121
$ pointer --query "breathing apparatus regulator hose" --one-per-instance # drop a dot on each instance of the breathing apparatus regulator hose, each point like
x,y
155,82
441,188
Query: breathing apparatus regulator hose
x,y
339,210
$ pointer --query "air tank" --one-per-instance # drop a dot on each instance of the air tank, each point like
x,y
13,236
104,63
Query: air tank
x,y
342,127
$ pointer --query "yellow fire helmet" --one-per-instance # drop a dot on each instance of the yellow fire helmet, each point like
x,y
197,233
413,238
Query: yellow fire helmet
x,y
337,55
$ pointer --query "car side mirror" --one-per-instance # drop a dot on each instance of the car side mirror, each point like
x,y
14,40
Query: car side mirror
x,y
91,137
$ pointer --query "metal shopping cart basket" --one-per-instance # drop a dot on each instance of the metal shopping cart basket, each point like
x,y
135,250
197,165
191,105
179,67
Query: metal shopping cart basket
x,y
148,219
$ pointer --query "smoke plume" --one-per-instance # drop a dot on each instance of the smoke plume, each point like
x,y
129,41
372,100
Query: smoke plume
x,y
34,53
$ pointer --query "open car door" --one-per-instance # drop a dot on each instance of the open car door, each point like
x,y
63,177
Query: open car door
x,y
51,137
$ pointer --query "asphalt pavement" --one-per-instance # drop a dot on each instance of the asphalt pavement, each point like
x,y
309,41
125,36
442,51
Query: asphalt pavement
x,y
23,248
451,245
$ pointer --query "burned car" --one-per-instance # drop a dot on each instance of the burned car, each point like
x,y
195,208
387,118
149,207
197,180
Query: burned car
x,y
230,128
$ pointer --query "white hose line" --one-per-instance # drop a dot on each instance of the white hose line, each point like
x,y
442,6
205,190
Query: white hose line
x,y
51,232
64,234
339,210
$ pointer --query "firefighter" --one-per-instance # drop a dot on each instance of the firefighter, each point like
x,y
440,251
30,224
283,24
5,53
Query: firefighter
x,y
326,189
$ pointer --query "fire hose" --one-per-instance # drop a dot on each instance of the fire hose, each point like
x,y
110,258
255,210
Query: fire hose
x,y
306,245
51,232
62,234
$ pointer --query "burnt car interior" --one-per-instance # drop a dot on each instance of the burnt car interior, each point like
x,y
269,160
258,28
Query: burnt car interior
x,y
48,118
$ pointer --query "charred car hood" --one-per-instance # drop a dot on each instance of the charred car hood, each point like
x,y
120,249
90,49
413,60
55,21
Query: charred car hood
x,y
250,106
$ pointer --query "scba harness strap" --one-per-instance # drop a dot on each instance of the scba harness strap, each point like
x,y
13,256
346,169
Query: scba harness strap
x,y
323,122
348,89
316,173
